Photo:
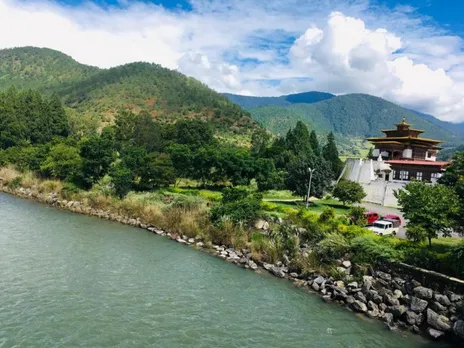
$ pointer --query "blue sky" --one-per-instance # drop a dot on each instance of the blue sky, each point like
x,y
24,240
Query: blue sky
x,y
406,51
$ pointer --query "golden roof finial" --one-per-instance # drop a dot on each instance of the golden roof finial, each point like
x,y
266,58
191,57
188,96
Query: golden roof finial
x,y
404,120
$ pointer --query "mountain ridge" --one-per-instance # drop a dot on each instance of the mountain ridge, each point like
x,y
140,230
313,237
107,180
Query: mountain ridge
x,y
349,115
168,95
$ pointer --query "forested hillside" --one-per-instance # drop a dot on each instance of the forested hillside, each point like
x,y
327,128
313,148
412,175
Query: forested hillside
x,y
255,102
92,92
352,115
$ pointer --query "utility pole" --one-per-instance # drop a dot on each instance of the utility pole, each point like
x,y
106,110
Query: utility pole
x,y
309,185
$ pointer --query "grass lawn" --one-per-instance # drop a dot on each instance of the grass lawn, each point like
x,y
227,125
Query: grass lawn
x,y
315,206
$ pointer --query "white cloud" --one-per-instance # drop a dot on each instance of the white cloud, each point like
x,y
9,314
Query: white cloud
x,y
261,48
345,57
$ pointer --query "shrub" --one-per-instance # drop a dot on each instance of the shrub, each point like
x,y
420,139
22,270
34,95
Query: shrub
x,y
285,240
354,231
8,174
29,180
349,192
69,190
227,233
48,186
327,215
15,183
333,246
357,216
239,206
374,249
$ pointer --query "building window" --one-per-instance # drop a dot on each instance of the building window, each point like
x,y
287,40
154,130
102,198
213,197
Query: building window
x,y
393,174
419,176
435,176
404,175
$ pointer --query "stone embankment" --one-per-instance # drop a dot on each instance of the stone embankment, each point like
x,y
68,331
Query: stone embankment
x,y
400,301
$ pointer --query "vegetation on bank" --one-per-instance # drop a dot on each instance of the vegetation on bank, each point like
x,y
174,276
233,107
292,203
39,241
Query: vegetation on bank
x,y
134,168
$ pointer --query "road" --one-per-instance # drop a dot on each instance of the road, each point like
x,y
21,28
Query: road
x,y
381,210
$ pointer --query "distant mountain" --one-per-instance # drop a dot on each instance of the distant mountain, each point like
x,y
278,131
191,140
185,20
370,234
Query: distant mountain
x,y
255,102
447,154
168,95
349,116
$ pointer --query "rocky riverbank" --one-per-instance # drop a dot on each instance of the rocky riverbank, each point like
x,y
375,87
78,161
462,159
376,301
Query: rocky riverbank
x,y
399,300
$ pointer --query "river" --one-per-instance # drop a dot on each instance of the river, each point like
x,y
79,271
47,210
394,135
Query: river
x,y
68,280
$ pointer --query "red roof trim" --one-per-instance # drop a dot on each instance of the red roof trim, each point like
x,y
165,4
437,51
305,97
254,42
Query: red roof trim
x,y
419,162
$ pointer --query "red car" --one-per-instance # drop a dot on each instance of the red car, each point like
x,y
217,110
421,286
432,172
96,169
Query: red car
x,y
392,217
371,216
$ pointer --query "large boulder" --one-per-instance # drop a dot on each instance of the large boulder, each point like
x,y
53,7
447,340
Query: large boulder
x,y
278,272
434,333
391,299
438,322
319,280
358,306
418,305
397,311
458,329
360,297
423,293
442,299
384,276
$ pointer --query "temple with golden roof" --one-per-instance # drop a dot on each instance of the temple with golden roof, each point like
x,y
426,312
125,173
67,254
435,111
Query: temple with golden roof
x,y
408,154
398,157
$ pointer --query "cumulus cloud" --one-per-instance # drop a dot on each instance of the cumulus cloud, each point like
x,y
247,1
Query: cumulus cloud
x,y
346,57
260,48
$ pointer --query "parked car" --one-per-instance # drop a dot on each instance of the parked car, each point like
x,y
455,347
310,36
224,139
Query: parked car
x,y
385,227
371,216
392,217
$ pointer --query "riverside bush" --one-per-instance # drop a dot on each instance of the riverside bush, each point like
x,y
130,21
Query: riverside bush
x,y
374,249
237,204
333,246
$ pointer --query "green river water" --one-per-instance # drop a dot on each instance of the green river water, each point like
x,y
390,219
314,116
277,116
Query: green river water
x,y
68,280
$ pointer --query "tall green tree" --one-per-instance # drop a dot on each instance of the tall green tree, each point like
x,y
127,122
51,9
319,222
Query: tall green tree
x,y
157,172
314,143
454,179
260,141
429,208
63,162
97,153
298,140
330,153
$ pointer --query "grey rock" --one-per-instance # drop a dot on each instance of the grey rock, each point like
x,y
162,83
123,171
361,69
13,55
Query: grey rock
x,y
423,293
252,265
267,266
411,318
372,306
200,244
373,313
350,299
279,263
327,298
434,333
442,299
278,272
397,311
379,284
346,264
418,305
390,299
243,260
458,328
294,275
339,284
191,240
358,306
315,286
367,285
360,297
383,307
454,297
438,322
384,276
398,293
399,281
319,280
388,318
437,307
353,285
